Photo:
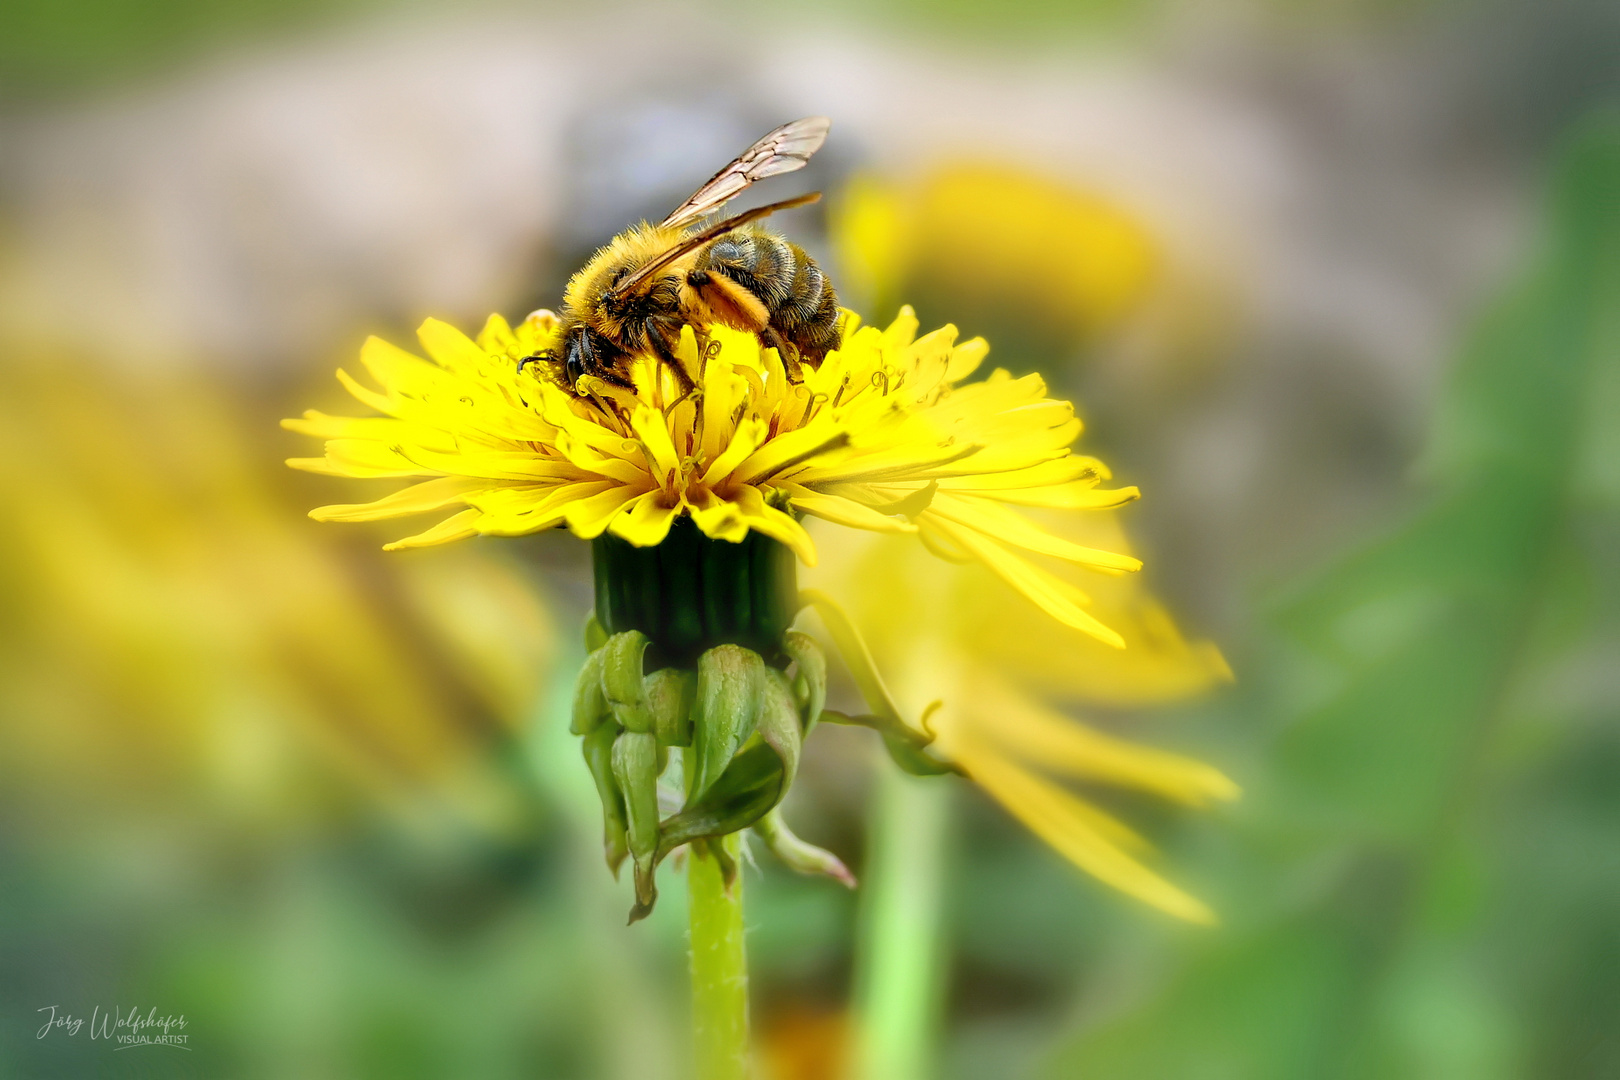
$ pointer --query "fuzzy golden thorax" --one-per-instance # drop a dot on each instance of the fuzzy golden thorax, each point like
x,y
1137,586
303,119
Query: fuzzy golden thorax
x,y
587,299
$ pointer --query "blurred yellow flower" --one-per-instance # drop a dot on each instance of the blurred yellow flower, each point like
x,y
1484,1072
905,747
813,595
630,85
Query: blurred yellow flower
x,y
995,239
887,435
173,625
984,668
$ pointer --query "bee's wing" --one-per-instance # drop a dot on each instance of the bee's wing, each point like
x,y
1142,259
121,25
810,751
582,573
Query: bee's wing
x,y
787,148
703,236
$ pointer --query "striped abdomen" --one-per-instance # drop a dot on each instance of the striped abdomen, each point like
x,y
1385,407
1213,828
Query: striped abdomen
x,y
792,292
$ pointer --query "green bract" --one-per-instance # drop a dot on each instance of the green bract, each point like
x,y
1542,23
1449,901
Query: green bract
x,y
739,723
731,688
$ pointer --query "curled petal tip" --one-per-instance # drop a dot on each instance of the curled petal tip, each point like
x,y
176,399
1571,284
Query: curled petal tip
x,y
840,873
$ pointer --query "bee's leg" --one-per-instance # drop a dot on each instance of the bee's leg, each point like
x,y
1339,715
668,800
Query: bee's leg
x,y
769,338
737,306
662,338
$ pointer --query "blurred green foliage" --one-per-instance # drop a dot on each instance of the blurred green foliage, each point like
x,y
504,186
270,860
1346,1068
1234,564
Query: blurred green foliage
x,y
1423,883
49,47
54,47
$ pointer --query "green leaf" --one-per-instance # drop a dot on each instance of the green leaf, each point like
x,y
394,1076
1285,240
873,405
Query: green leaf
x,y
1355,893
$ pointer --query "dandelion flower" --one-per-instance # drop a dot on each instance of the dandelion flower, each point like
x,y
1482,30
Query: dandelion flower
x,y
886,435
695,502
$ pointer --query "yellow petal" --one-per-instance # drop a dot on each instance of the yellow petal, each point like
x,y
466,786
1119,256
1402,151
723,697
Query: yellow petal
x,y
1058,472
397,370
416,499
367,457
365,395
966,358
900,332
454,351
619,470
1043,736
559,410
1051,595
458,527
587,518
914,464
746,439
648,521
788,450
521,509
328,467
1074,829
497,336
722,392
842,511
384,429
1084,495
718,518
941,546
650,427
761,517
498,465
686,354
1010,527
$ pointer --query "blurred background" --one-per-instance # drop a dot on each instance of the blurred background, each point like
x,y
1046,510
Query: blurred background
x,y
1338,285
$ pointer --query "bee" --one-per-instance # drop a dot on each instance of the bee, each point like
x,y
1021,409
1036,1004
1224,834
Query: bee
x,y
637,293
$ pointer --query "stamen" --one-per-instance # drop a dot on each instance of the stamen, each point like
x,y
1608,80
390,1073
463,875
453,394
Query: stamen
x,y
711,350
592,391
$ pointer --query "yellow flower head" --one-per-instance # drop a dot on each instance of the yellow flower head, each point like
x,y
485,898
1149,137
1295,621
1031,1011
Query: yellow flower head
x,y
886,435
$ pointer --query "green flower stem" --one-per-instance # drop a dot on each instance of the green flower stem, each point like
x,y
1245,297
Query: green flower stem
x,y
719,966
900,960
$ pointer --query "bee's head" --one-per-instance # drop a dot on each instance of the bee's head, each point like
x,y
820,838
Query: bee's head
x,y
585,350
